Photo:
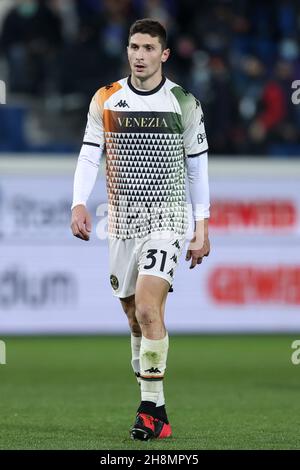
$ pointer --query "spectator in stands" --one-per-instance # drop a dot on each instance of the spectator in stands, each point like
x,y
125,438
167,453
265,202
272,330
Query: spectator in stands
x,y
31,37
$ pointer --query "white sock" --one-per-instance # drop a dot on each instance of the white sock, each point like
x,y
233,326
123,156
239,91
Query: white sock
x,y
135,355
161,396
135,362
153,358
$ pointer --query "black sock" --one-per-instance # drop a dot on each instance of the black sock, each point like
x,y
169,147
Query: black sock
x,y
150,408
162,414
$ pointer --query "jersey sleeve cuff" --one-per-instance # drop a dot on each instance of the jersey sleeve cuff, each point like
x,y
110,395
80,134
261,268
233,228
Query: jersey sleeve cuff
x,y
78,203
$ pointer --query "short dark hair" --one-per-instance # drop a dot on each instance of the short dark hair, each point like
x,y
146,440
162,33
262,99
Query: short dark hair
x,y
151,27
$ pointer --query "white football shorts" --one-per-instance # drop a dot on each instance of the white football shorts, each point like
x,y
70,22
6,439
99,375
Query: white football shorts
x,y
156,254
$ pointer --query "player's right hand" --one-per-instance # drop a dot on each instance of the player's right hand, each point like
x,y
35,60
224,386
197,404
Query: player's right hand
x,y
81,223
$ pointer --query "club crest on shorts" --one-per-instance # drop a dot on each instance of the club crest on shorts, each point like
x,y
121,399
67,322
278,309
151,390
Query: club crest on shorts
x,y
114,282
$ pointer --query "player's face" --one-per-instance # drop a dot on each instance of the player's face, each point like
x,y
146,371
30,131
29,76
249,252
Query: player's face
x,y
145,55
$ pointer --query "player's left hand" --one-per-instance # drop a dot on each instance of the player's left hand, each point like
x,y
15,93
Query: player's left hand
x,y
198,254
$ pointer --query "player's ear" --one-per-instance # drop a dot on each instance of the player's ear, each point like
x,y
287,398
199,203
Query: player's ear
x,y
165,55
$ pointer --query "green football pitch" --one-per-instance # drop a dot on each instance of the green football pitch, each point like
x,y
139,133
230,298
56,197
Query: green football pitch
x,y
223,392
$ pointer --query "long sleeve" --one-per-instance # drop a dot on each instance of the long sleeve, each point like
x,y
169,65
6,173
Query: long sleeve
x,y
195,143
197,172
85,174
90,155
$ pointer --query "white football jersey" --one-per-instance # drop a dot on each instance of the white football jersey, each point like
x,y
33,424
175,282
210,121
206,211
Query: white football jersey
x,y
147,135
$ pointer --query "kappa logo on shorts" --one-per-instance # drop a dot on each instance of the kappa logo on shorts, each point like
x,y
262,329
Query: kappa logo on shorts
x,y
176,243
114,282
171,272
174,258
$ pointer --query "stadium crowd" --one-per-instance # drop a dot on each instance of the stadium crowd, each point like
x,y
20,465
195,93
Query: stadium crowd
x,y
238,57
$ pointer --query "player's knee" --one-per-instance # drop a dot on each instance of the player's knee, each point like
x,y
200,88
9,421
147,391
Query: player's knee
x,y
147,313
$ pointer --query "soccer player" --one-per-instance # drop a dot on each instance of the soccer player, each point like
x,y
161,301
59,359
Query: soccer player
x,y
153,133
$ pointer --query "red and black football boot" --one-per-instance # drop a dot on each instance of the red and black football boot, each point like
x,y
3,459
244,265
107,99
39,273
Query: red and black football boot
x,y
143,428
147,427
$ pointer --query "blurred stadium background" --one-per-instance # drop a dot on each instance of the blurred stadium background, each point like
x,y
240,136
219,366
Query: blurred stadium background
x,y
242,60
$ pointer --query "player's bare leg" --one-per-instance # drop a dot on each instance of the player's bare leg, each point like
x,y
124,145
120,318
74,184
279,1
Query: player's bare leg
x,y
150,299
128,305
162,310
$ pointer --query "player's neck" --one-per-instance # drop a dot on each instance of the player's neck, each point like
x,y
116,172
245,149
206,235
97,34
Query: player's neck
x,y
148,84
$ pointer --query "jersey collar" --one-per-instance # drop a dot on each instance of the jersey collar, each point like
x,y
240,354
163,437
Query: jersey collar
x,y
148,92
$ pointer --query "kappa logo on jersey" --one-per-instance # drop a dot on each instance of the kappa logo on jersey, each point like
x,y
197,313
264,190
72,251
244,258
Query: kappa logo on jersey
x,y
153,371
122,104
